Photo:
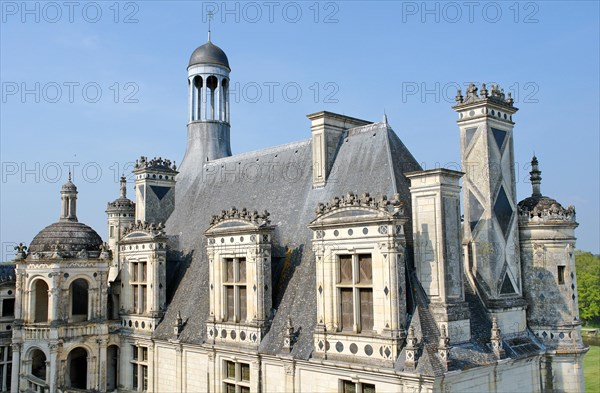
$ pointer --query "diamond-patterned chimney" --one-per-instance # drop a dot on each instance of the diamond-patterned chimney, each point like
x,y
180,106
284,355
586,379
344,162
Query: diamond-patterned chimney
x,y
490,232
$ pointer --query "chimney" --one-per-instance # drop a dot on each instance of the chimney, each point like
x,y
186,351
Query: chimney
x,y
327,129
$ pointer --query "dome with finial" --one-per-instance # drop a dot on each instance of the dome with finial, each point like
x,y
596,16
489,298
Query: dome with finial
x,y
67,236
538,205
69,186
122,203
209,53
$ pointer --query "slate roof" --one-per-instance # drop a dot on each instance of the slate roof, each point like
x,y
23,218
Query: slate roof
x,y
7,272
370,159
209,53
71,235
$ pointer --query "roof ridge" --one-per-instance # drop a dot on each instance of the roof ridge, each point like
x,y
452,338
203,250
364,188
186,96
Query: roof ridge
x,y
265,151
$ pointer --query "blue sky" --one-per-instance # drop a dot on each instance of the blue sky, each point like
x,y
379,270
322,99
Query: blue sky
x,y
94,85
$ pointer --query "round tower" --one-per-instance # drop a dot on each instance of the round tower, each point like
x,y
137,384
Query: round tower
x,y
208,109
547,240
120,214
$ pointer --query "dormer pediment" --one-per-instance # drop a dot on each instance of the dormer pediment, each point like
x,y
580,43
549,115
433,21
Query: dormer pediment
x,y
143,232
353,210
238,221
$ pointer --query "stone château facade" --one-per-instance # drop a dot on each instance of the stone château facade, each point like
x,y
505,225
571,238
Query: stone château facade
x,y
343,267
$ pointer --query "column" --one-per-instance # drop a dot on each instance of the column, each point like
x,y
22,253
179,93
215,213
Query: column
x,y
19,294
191,99
54,299
217,100
205,99
102,366
51,365
16,368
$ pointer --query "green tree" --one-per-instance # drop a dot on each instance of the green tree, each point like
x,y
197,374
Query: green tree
x,y
588,285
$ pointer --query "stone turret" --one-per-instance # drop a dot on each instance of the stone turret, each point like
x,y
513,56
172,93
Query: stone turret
x,y
547,234
120,214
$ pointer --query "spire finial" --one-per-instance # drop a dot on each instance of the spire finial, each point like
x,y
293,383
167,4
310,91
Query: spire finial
x,y
535,177
69,176
210,16
123,186
385,120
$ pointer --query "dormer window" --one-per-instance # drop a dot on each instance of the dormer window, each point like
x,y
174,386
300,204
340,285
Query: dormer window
x,y
234,288
239,257
359,259
355,288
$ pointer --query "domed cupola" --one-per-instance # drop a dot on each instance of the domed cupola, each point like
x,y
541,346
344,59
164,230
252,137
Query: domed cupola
x,y
208,112
209,53
67,236
537,206
122,204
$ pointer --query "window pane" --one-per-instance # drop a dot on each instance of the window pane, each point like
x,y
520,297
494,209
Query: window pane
x,y
2,350
368,388
243,303
365,268
561,275
230,304
144,298
245,372
135,297
347,309
345,268
134,269
144,354
366,309
230,370
348,387
229,388
144,267
9,373
135,377
135,352
244,389
242,270
145,377
228,270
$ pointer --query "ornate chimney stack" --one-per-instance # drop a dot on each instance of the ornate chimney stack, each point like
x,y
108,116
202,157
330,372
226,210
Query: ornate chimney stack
x,y
490,231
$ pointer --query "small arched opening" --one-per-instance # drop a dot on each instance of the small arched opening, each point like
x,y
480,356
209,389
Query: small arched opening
x,y
38,364
211,84
225,100
77,368
40,301
79,300
112,369
197,98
